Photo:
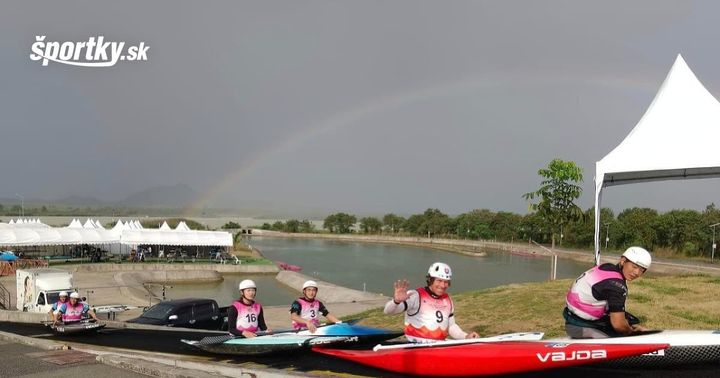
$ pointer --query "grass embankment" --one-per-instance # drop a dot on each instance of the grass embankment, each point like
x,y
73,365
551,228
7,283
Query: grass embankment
x,y
667,302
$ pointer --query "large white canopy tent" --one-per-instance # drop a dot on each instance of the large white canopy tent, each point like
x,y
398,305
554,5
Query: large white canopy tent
x,y
22,234
675,139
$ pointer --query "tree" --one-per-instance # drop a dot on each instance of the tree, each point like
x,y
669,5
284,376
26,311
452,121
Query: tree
x,y
340,223
505,225
638,226
330,223
413,224
293,225
231,226
680,230
434,223
306,226
278,226
393,223
557,194
370,225
582,234
475,224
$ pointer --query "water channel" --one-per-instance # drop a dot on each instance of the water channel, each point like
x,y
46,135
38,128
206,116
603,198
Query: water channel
x,y
374,267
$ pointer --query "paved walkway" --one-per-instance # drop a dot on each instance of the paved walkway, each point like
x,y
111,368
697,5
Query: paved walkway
x,y
21,360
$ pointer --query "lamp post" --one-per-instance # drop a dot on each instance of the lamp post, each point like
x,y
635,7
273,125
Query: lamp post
x,y
607,235
712,254
22,205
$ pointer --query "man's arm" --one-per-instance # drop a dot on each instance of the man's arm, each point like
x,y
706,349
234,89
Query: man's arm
x,y
308,324
620,324
326,313
261,322
411,304
332,318
232,321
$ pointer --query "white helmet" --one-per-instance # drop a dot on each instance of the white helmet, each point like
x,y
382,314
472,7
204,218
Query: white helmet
x,y
639,256
310,283
75,295
247,284
63,293
440,270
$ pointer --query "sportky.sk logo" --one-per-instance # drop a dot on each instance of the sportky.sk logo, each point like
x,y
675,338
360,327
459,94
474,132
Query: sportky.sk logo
x,y
95,52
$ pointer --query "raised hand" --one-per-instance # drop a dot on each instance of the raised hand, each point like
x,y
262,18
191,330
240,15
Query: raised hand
x,y
401,288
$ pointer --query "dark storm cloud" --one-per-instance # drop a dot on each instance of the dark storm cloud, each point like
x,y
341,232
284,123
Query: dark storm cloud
x,y
366,106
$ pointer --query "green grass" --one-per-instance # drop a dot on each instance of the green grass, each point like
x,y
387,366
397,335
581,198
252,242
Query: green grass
x,y
667,302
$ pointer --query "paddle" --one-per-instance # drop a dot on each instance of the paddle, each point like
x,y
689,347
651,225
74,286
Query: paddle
x,y
520,336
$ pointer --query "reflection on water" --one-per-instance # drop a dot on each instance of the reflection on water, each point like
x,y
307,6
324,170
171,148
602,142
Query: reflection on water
x,y
376,266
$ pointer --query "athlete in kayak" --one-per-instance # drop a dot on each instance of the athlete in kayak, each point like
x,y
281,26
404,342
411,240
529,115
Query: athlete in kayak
x,y
595,304
428,310
305,312
63,298
73,310
245,315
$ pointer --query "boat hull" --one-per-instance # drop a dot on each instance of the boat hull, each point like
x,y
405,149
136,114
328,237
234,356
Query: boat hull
x,y
686,347
489,358
78,328
263,345
336,334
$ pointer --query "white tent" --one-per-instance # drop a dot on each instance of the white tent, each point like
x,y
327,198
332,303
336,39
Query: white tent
x,y
89,224
675,139
179,238
165,226
39,234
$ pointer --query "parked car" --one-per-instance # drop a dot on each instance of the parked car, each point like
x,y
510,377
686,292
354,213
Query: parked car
x,y
188,313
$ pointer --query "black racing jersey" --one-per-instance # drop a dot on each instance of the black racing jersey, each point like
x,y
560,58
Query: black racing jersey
x,y
612,290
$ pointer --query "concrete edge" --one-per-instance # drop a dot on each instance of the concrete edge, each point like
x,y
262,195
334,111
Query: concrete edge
x,y
33,342
153,369
168,367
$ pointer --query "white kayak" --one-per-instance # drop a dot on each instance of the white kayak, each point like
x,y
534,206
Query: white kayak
x,y
75,328
519,336
686,347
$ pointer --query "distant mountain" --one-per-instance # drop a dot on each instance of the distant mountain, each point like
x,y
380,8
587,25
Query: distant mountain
x,y
80,201
174,196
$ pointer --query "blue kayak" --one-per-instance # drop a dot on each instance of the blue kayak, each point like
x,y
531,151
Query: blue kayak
x,y
293,341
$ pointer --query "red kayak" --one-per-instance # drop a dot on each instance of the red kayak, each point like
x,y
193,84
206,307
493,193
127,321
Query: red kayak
x,y
489,358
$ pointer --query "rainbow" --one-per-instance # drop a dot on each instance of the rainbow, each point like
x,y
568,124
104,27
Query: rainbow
x,y
384,104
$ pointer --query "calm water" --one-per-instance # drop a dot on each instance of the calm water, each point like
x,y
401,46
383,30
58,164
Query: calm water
x,y
377,266
374,267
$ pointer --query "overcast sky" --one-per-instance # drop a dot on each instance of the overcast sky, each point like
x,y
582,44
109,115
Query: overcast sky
x,y
361,106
